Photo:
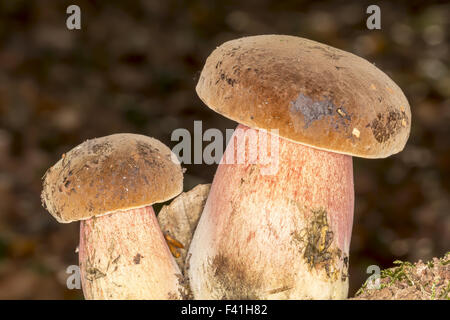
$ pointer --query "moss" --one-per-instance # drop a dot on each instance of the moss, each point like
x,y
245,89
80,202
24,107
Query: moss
x,y
429,280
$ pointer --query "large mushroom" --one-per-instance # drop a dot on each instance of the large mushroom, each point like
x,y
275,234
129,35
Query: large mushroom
x,y
286,234
110,184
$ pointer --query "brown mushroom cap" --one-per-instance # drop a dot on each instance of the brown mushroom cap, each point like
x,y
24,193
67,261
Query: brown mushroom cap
x,y
312,93
108,174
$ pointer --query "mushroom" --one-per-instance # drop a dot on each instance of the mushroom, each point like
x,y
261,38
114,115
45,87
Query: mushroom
x,y
110,184
286,235
179,219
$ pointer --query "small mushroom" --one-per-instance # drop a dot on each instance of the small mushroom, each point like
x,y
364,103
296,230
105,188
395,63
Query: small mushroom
x,y
286,235
110,184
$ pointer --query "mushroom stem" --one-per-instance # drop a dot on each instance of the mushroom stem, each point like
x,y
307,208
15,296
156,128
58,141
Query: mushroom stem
x,y
124,256
279,236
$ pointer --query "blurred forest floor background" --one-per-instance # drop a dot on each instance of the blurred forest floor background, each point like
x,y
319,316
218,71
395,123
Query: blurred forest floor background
x,y
133,68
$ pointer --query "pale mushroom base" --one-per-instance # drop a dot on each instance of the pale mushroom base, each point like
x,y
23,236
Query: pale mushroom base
x,y
284,235
124,256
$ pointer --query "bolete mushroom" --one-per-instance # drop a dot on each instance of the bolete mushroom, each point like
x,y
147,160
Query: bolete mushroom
x,y
179,219
287,235
110,184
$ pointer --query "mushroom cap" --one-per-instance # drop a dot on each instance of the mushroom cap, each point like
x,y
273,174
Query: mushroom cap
x,y
312,93
109,174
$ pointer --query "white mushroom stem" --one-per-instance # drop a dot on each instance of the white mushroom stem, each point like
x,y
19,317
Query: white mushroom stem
x,y
124,256
279,236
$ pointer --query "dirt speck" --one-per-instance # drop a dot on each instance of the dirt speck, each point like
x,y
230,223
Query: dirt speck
x,y
137,258
278,290
93,273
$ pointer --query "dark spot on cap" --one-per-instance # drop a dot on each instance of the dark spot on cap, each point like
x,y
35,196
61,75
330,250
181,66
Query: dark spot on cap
x,y
385,126
101,148
311,110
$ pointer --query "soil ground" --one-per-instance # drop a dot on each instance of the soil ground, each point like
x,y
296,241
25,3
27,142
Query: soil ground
x,y
406,281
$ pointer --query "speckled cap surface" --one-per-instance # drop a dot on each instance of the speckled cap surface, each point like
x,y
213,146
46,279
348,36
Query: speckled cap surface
x,y
312,93
109,174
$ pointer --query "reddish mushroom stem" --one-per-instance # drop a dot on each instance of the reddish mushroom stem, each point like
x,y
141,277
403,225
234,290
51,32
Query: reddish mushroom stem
x,y
280,236
124,256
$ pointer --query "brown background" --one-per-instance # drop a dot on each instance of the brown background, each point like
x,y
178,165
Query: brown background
x,y
133,68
